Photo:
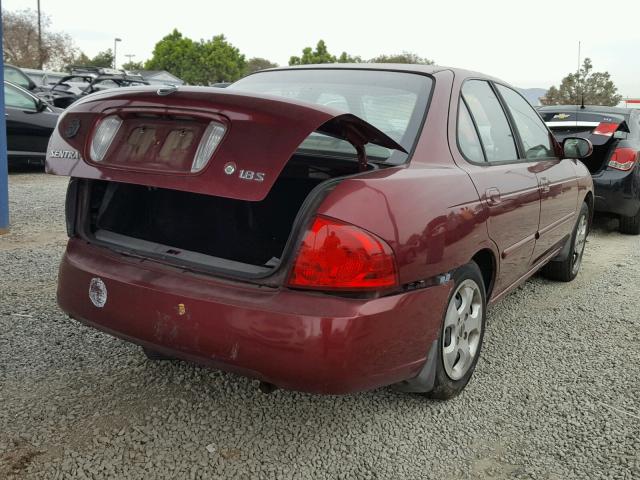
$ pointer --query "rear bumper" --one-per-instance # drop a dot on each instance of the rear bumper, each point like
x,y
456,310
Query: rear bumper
x,y
617,192
294,340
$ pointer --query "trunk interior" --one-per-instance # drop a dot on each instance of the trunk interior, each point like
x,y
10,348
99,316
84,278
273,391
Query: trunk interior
x,y
237,235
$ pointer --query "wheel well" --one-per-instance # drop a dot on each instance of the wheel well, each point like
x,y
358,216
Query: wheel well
x,y
589,201
487,264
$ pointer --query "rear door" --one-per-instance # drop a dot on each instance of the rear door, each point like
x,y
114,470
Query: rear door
x,y
506,184
556,176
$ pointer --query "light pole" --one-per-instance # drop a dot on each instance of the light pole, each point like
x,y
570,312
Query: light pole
x,y
39,39
115,46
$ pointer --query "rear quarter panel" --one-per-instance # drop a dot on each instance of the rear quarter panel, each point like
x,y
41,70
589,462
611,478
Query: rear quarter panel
x,y
430,216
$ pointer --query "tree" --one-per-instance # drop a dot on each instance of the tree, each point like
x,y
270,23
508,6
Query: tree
x,y
310,56
178,55
594,88
256,64
404,57
103,59
20,36
197,63
346,58
221,61
131,66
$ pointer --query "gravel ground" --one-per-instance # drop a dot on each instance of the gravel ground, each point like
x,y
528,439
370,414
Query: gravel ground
x,y
555,394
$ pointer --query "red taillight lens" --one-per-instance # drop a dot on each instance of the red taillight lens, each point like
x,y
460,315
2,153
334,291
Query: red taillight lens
x,y
606,128
337,255
623,158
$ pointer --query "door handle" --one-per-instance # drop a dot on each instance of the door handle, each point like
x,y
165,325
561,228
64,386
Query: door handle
x,y
493,196
545,185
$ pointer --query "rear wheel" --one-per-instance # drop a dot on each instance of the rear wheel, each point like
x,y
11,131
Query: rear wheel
x,y
630,225
462,333
567,269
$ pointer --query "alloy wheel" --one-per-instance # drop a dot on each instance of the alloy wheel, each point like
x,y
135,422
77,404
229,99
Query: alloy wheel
x,y
462,329
578,244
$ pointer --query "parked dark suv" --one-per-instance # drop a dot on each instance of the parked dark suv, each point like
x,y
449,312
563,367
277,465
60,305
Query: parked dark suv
x,y
614,165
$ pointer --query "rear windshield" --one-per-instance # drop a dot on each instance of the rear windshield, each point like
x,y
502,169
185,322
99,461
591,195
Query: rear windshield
x,y
393,102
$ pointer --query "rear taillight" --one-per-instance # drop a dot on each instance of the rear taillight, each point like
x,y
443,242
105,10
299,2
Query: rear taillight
x,y
623,158
208,144
338,256
103,136
606,128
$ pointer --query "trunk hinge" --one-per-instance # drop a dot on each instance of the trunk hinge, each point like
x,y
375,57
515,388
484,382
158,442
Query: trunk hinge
x,y
359,141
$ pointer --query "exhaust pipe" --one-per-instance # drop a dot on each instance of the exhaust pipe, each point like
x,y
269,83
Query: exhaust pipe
x,y
267,387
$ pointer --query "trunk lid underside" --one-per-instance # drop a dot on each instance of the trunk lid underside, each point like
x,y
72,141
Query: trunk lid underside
x,y
159,135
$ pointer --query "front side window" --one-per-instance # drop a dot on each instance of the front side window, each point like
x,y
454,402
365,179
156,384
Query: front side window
x,y
393,102
493,127
535,137
16,98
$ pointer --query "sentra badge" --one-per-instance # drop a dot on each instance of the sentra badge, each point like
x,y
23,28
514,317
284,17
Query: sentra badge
x,y
67,154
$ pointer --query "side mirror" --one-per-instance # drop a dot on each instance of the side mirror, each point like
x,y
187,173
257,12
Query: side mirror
x,y
577,148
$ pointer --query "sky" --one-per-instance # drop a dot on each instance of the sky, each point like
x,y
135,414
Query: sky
x,y
528,44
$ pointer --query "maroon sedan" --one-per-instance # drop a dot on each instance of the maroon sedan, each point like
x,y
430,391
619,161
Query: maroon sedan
x,y
328,229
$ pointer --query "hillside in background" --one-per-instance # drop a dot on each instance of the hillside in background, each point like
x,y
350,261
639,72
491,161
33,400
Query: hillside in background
x,y
533,94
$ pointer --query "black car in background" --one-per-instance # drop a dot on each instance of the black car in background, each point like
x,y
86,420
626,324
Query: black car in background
x,y
30,122
615,162
17,76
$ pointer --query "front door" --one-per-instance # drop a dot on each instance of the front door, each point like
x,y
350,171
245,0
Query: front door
x,y
556,176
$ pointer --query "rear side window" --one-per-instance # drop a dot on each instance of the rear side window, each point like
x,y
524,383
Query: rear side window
x,y
468,136
16,77
493,127
534,135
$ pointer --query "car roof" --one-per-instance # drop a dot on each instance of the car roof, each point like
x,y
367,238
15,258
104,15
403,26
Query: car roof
x,y
398,67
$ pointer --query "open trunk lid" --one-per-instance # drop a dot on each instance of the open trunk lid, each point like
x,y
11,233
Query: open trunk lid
x,y
597,127
162,131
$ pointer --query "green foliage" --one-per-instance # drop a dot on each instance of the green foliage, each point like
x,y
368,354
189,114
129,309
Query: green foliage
x,y
256,64
322,55
197,63
310,56
596,87
131,66
346,58
220,61
102,59
404,57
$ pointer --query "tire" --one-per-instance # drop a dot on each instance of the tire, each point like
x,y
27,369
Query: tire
x,y
566,270
452,373
630,225
155,356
